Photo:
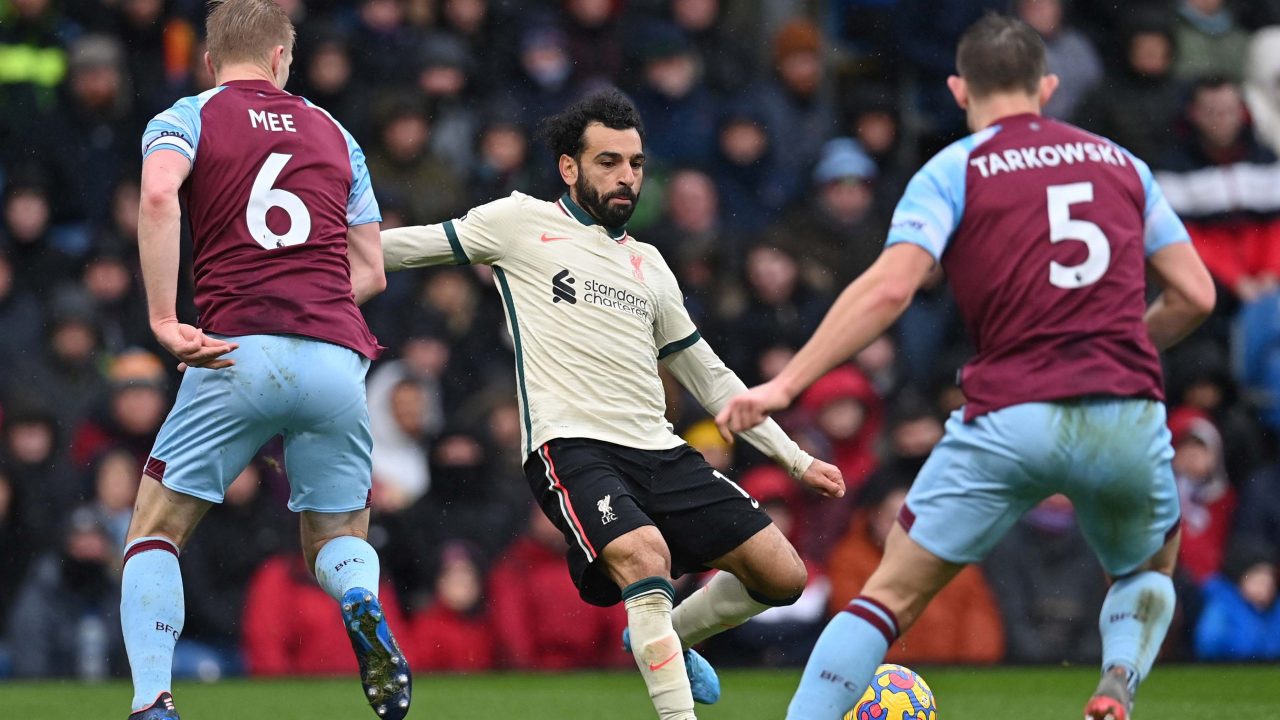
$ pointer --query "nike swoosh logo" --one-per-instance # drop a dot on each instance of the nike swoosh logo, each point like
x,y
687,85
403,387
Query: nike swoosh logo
x,y
659,666
549,238
755,503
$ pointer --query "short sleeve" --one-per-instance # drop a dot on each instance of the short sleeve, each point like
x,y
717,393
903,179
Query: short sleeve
x,y
177,128
481,236
1161,225
673,329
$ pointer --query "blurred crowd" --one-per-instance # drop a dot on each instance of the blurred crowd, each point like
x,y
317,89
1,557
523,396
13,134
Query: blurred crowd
x,y
781,133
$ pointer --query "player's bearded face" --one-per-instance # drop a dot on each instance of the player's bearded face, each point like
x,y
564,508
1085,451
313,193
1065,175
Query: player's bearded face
x,y
607,208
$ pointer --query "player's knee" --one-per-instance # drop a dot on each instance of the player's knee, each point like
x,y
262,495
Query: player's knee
x,y
787,584
630,559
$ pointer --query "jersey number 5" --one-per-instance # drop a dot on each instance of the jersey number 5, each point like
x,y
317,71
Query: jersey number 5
x,y
1064,227
263,197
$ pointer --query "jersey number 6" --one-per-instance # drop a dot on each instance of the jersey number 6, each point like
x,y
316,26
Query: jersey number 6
x,y
1064,227
263,197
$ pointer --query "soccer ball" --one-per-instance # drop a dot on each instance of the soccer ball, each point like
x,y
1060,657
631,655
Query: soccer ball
x,y
896,693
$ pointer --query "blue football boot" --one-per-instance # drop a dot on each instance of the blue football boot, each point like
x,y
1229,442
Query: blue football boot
x,y
703,680
384,673
161,709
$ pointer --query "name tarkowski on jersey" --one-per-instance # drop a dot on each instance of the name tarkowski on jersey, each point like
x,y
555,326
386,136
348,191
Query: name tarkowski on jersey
x,y
1042,156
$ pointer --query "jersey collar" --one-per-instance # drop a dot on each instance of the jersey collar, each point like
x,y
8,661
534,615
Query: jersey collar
x,y
577,213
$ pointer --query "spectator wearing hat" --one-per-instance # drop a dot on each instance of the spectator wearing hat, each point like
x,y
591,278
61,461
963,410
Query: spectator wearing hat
x,y
1240,621
1207,497
65,619
837,232
135,406
961,625
798,102
678,109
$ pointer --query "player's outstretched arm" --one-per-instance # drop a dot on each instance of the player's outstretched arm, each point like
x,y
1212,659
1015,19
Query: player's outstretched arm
x,y
705,375
364,252
1187,298
860,315
159,238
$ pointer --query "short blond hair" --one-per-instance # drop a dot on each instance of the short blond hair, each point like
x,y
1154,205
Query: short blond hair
x,y
246,31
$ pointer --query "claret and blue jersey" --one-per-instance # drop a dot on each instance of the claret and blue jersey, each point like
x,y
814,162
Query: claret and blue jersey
x,y
1043,230
274,185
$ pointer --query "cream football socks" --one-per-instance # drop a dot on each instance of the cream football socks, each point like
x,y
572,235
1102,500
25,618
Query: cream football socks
x,y
657,648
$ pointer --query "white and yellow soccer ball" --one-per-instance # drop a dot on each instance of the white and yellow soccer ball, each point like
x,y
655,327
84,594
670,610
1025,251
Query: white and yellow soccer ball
x,y
896,693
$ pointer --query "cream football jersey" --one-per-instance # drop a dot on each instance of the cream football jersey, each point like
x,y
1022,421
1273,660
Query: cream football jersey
x,y
591,312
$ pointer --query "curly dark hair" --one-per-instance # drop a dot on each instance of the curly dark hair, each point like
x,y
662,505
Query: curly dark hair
x,y
564,132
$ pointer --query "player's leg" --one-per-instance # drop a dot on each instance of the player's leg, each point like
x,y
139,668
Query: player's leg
x,y
1127,504
763,572
152,609
974,486
328,455
207,439
615,553
640,563
855,641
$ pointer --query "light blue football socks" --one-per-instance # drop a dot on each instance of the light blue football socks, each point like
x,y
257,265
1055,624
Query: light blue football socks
x,y
151,614
843,662
1135,617
345,563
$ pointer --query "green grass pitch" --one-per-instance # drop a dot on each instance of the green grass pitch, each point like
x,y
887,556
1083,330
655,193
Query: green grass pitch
x,y
1173,693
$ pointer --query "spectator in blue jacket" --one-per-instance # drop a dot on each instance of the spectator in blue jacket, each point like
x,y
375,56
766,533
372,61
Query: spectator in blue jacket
x,y
1241,618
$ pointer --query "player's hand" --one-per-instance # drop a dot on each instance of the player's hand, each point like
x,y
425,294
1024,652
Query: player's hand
x,y
825,478
751,408
192,347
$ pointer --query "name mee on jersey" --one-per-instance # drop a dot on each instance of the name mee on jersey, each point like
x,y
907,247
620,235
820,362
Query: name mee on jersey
x,y
598,293
1042,156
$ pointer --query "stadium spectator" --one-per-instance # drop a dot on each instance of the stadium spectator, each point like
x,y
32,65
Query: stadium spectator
x,y
300,638
490,37
131,413
1257,520
727,62
19,318
1209,41
36,261
445,68
595,40
327,77
961,625
381,43
690,226
404,414
16,550
33,40
780,309
34,462
453,633
874,120
65,619
1208,499
845,406
218,565
680,111
1241,618
752,186
537,613
118,302
502,164
158,49
836,233
1138,104
463,502
1069,55
115,487
404,164
1048,587
1219,180
798,103
1261,89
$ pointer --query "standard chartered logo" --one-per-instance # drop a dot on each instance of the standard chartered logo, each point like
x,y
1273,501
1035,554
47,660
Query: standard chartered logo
x,y
597,293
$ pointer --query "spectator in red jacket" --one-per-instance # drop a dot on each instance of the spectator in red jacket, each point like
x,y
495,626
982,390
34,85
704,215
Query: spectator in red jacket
x,y
453,633
1208,499
536,610
299,636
